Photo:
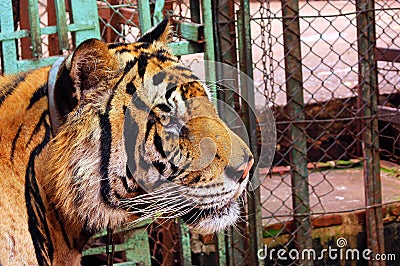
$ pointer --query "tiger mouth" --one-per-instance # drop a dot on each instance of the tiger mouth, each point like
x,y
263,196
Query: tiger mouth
x,y
213,219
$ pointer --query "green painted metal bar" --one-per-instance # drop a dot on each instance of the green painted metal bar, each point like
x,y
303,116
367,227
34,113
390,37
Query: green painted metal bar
x,y
138,246
247,91
158,14
141,224
7,27
35,31
210,70
89,28
225,51
62,28
144,15
29,64
222,249
186,253
191,31
136,241
368,103
50,30
101,250
295,104
45,31
209,50
128,263
85,12
185,47
4,36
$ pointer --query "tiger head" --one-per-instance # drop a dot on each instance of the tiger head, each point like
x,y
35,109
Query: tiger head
x,y
139,136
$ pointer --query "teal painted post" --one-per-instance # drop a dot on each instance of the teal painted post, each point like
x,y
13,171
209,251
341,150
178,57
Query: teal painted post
x,y
368,94
138,247
295,100
209,52
144,15
209,57
84,12
62,28
223,251
185,47
185,244
35,32
8,46
158,15
247,90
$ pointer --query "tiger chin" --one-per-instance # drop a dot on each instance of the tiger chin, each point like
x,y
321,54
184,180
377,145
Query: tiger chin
x,y
129,134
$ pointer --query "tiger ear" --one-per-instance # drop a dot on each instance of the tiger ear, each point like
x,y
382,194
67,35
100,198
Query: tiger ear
x,y
82,71
90,63
160,33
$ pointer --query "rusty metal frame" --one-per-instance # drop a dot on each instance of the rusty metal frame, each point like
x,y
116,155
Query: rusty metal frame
x,y
368,105
295,99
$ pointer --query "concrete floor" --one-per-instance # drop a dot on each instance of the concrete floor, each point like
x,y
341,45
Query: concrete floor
x,y
330,191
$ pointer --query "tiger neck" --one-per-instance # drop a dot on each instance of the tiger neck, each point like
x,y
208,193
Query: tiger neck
x,y
64,241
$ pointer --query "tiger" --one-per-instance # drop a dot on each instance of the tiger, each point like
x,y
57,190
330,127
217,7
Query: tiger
x,y
121,138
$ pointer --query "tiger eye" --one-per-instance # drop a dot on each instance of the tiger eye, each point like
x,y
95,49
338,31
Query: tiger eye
x,y
165,119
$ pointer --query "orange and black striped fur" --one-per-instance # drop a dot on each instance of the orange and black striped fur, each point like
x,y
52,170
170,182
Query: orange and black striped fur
x,y
113,159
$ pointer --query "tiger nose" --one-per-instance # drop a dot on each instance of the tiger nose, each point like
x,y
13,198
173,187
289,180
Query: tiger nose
x,y
245,168
238,174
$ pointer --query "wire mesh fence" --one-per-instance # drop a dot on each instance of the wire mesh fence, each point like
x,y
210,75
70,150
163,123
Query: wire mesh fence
x,y
334,121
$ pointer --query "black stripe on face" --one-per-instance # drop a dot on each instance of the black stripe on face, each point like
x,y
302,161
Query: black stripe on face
x,y
163,56
142,64
159,77
170,89
144,45
37,95
131,131
14,143
130,88
116,45
176,171
160,166
185,72
126,186
130,65
105,149
164,107
127,68
158,144
10,87
150,123
37,223
123,50
125,181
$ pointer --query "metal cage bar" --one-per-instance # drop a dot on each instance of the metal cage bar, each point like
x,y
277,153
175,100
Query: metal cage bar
x,y
295,100
368,90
